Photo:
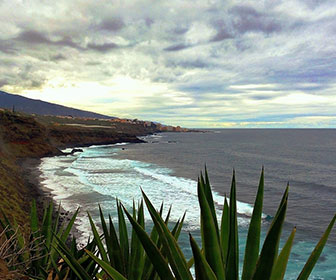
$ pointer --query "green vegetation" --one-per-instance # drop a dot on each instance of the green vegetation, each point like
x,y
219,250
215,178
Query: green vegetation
x,y
154,253
25,136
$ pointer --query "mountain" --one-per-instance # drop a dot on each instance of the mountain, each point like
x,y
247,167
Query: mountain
x,y
32,106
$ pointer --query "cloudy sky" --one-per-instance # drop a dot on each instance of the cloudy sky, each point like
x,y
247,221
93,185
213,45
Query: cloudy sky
x,y
268,63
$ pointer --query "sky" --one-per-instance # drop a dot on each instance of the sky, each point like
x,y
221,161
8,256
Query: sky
x,y
216,64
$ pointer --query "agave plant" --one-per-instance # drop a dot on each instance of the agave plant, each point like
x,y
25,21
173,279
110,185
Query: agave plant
x,y
220,243
36,255
151,254
118,256
219,256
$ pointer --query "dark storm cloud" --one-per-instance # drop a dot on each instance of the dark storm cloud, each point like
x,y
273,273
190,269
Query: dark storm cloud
x,y
149,21
221,35
180,30
67,42
176,47
112,24
36,37
194,64
33,37
102,47
223,30
246,19
58,57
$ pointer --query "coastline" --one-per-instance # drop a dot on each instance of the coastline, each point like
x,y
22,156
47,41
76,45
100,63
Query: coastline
x,y
25,139
31,176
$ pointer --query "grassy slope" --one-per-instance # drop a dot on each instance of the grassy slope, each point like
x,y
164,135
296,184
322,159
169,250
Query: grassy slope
x,y
22,136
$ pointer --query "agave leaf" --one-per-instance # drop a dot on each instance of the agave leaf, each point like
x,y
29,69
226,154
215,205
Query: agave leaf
x,y
108,241
148,267
161,209
224,231
178,227
47,222
253,236
123,235
70,224
210,239
269,251
154,254
74,267
110,271
117,253
47,231
279,269
63,235
137,253
174,253
307,269
98,240
133,245
43,272
73,247
208,194
71,261
168,215
56,221
202,268
232,263
55,267
141,214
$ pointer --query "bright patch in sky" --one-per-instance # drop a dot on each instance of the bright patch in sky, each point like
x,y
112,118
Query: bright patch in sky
x,y
198,64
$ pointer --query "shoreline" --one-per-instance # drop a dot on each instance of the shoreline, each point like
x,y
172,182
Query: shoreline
x,y
31,176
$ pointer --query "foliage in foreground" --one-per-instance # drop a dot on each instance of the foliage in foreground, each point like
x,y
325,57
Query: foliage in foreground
x,y
155,254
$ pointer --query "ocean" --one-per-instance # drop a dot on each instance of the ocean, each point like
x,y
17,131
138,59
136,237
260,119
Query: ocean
x,y
167,167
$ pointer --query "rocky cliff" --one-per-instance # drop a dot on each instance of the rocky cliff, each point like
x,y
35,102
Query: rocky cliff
x,y
23,136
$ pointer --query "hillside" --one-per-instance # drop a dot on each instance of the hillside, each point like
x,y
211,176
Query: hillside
x,y
24,136
32,106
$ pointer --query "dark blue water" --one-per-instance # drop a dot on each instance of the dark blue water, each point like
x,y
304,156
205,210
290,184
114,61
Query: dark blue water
x,y
168,165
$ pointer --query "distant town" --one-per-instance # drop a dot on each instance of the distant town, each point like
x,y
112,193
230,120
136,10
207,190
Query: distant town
x,y
146,124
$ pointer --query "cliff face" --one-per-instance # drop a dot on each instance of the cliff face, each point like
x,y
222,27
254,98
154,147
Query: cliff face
x,y
19,137
22,136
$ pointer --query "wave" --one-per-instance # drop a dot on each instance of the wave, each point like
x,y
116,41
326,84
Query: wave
x,y
76,181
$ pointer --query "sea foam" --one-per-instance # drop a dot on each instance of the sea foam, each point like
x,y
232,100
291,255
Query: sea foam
x,y
98,176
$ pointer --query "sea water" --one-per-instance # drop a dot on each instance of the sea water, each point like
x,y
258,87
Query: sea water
x,y
167,166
